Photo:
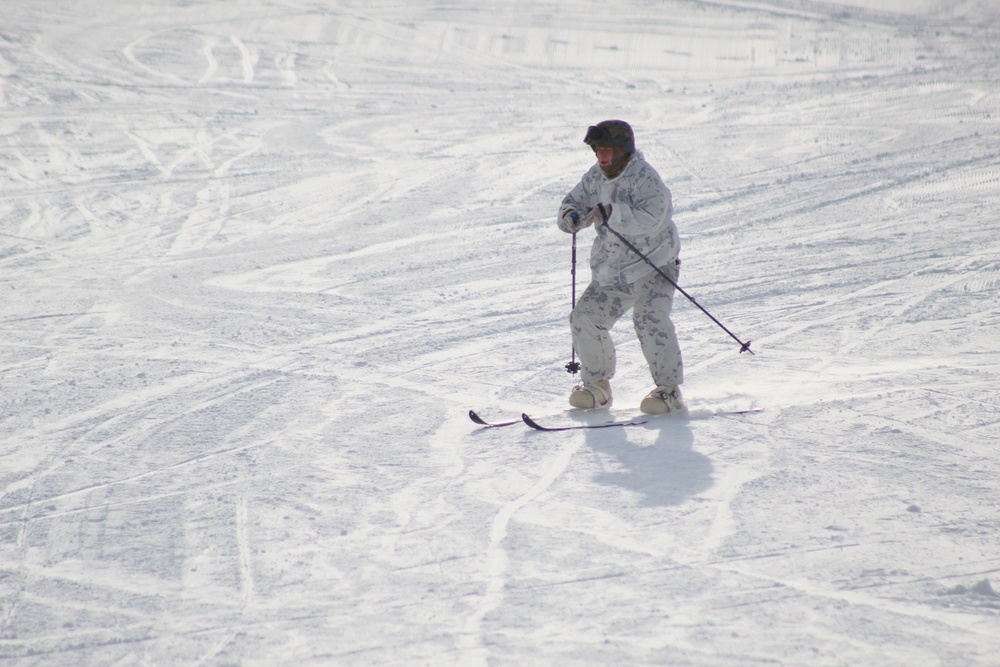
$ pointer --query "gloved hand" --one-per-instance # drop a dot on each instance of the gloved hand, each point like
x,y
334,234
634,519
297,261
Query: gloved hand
x,y
595,216
571,221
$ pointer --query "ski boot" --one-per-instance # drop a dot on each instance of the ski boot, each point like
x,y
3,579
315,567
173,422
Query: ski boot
x,y
662,400
587,396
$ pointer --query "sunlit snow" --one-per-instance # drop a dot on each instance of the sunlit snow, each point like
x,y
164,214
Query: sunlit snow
x,y
258,260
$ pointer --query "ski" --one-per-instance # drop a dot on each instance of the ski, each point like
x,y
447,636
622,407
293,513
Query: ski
x,y
538,427
630,421
749,411
485,424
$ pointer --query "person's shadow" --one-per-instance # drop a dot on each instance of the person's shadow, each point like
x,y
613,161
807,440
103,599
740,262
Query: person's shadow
x,y
667,472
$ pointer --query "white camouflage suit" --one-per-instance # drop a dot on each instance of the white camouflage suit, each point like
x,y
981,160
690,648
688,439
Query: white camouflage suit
x,y
641,211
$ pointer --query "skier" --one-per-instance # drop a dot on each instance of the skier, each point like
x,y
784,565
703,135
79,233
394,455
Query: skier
x,y
639,208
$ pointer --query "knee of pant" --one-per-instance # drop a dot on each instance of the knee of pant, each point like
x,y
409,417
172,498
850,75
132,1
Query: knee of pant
x,y
653,323
643,319
580,320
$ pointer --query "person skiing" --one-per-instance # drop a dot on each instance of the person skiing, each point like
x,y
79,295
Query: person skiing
x,y
624,187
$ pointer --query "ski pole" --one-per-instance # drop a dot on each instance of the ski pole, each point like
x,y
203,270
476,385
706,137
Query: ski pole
x,y
605,214
573,366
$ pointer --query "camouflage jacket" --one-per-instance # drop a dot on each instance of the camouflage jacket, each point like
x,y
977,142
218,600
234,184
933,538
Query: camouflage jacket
x,y
641,212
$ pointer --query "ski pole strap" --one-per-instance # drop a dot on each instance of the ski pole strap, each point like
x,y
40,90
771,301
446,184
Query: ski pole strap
x,y
744,347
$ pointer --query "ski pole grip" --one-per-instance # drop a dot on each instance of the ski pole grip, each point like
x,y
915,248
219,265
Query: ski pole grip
x,y
605,212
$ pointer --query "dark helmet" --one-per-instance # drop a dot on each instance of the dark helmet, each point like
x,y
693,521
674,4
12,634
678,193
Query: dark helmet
x,y
611,133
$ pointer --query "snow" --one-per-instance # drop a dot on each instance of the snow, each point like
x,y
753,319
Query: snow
x,y
258,259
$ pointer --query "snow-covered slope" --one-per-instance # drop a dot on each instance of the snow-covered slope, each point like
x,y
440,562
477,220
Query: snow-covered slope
x,y
258,259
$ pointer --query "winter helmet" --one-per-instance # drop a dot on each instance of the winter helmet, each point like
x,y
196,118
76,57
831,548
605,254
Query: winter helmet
x,y
611,133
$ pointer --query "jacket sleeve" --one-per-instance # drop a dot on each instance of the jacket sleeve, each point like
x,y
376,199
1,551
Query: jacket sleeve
x,y
579,198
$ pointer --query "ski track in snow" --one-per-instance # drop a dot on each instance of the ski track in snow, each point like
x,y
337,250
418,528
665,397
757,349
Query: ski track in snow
x,y
257,260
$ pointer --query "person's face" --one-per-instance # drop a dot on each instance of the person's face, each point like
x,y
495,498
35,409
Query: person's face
x,y
605,155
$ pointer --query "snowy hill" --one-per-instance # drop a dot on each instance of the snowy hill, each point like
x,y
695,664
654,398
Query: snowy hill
x,y
258,260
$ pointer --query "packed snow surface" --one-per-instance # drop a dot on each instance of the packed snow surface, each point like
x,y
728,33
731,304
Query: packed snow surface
x,y
258,259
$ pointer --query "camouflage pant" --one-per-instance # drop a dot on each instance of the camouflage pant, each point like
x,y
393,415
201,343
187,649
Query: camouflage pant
x,y
651,298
